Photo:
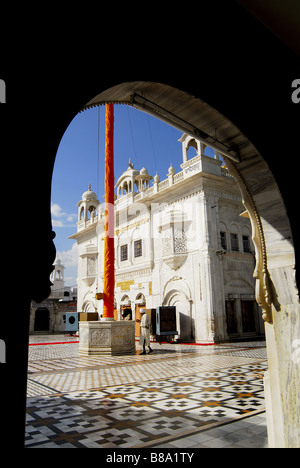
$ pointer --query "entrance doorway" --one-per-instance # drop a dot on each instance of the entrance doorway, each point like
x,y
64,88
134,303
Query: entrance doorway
x,y
230,318
42,319
248,320
242,318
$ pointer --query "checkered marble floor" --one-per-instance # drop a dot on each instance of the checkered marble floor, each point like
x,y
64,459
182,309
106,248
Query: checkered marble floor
x,y
134,401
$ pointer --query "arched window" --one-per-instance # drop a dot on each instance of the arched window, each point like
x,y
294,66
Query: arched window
x,y
192,149
234,238
125,301
92,210
140,299
223,235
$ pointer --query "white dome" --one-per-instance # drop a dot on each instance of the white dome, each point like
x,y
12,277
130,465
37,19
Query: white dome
x,y
129,174
171,169
89,195
143,171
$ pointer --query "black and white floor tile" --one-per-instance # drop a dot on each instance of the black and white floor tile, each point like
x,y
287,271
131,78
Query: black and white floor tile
x,y
134,414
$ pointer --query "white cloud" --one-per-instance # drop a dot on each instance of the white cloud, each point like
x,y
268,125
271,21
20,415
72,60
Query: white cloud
x,y
65,219
57,223
71,281
56,210
69,258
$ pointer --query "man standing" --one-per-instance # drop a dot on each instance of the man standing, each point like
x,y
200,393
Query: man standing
x,y
145,332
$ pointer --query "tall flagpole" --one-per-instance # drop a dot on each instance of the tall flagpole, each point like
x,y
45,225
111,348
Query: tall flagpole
x,y
113,337
109,237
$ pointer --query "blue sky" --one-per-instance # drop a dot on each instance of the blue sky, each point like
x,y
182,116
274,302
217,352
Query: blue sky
x,y
139,136
80,161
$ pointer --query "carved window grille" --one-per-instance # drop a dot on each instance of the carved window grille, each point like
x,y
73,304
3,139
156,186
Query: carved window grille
x,y
138,250
167,243
223,240
234,241
124,252
246,244
91,266
179,241
173,241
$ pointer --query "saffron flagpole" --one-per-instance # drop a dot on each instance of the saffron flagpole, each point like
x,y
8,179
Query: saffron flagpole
x,y
109,249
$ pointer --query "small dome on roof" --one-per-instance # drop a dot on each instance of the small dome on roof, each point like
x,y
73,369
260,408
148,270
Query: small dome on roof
x,y
171,170
89,195
129,174
143,171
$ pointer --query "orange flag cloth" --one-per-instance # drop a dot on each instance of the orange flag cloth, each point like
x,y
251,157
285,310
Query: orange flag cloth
x,y
109,249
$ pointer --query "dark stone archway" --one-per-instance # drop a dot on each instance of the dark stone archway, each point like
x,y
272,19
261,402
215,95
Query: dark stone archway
x,y
42,319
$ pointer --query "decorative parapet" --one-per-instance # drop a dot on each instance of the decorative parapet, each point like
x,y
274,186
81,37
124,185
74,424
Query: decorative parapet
x,y
83,224
189,168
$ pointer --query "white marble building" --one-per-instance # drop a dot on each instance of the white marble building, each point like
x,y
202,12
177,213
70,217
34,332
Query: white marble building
x,y
181,241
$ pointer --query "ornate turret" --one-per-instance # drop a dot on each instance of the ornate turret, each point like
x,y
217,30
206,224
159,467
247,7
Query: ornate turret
x,y
143,179
126,183
57,280
87,206
133,179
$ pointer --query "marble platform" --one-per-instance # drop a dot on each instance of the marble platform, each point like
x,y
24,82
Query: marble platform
x,y
111,338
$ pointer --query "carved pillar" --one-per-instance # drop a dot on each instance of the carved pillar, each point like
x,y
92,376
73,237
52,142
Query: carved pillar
x,y
280,304
263,287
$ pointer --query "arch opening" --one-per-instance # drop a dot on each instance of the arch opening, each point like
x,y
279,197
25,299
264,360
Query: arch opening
x,y
276,290
42,319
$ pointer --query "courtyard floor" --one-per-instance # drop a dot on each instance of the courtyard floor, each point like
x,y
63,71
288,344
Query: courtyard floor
x,y
180,396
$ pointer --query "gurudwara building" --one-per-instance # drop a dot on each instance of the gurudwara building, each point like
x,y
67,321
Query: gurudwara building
x,y
49,316
184,241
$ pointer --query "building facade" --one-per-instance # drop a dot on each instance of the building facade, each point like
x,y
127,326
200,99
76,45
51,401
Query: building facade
x,y
181,242
49,315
